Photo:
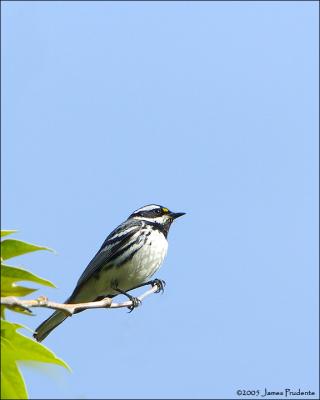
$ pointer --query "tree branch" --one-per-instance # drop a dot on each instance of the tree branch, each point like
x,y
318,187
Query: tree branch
x,y
70,309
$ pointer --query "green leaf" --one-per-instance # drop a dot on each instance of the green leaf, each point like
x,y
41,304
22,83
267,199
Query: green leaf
x,y
9,289
20,310
13,248
12,383
17,347
27,349
20,274
5,233
10,275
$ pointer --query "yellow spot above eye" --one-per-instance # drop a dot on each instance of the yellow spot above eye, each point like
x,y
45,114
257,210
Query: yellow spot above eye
x,y
165,210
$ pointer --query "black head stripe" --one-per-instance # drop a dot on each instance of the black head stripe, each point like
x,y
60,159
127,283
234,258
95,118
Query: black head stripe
x,y
148,212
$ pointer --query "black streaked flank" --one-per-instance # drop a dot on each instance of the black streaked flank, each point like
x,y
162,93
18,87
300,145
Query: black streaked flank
x,y
129,256
122,250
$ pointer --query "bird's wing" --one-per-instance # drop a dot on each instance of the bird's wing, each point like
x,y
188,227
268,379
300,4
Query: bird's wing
x,y
117,239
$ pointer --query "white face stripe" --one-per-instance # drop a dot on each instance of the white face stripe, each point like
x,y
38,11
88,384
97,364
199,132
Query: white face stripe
x,y
148,208
160,220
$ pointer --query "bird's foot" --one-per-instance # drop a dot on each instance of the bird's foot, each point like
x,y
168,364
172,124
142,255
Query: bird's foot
x,y
136,302
160,284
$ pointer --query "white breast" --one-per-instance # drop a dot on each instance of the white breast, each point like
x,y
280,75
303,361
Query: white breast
x,y
148,259
137,270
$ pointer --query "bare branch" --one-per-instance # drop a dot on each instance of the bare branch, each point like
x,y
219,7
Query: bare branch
x,y
70,309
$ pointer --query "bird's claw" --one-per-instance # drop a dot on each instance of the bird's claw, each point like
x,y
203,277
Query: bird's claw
x,y
136,302
160,284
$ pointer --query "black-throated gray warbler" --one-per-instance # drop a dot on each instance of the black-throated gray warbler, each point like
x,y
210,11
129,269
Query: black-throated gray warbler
x,y
127,259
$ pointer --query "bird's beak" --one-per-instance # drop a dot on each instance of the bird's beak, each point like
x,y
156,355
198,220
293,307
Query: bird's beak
x,y
176,215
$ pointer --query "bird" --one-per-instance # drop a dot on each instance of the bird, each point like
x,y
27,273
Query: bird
x,y
130,255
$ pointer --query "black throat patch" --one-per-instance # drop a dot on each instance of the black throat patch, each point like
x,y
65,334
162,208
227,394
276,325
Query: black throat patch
x,y
163,228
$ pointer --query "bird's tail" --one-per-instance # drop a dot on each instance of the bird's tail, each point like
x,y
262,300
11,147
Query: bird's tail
x,y
49,325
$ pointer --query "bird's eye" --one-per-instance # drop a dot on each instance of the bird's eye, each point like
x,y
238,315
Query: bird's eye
x,y
158,211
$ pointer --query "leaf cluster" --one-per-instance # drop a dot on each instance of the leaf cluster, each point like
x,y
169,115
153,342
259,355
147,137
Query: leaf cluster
x,y
16,347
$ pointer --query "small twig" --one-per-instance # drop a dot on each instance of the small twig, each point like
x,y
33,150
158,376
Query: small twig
x,y
70,309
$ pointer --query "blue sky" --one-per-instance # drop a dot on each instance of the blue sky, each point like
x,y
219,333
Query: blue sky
x,y
210,108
